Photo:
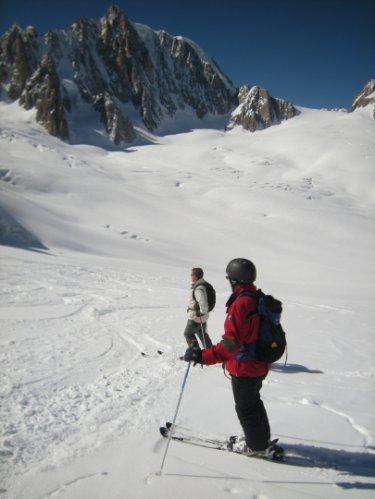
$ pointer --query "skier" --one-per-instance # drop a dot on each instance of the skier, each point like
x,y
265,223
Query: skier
x,y
246,375
197,311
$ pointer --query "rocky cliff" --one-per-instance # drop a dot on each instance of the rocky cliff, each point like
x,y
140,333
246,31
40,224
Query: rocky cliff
x,y
257,109
365,98
119,77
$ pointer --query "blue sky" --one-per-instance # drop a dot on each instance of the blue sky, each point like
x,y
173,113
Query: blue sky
x,y
315,53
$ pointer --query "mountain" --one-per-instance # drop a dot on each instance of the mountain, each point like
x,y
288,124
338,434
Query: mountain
x,y
257,109
124,78
366,98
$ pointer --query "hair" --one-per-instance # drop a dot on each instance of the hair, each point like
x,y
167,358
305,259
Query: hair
x,y
198,272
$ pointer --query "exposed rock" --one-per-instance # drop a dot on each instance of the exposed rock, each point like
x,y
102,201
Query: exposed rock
x,y
127,75
365,98
43,92
16,59
118,127
258,110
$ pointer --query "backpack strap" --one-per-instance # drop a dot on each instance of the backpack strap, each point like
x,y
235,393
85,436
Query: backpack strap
x,y
196,286
202,285
253,294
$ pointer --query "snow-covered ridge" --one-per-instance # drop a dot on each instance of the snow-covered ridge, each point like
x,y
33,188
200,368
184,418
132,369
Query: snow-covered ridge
x,y
105,79
109,81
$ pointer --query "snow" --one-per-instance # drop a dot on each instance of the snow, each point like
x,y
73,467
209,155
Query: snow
x,y
97,250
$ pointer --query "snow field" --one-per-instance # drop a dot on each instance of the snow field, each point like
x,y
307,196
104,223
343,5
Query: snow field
x,y
95,262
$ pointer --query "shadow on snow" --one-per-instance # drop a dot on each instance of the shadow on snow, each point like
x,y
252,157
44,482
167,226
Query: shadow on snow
x,y
12,233
360,463
294,368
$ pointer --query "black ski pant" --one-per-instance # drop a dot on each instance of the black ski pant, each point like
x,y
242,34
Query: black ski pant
x,y
251,411
194,329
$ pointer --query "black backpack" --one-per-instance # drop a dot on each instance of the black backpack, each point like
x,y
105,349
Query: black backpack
x,y
211,295
271,342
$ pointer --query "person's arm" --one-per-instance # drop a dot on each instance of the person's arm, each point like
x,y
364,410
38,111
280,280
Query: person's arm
x,y
237,331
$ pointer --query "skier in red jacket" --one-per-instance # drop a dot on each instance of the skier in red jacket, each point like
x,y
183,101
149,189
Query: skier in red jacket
x,y
246,375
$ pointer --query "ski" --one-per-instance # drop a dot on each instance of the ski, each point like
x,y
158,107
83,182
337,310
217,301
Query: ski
x,y
217,444
179,435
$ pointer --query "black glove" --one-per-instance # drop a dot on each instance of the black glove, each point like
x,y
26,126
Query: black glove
x,y
193,354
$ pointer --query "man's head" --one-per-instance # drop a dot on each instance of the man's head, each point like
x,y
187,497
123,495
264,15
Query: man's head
x,y
196,274
241,271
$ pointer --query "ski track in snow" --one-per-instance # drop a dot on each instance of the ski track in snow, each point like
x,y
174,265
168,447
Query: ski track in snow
x,y
76,371
63,487
82,376
363,432
78,378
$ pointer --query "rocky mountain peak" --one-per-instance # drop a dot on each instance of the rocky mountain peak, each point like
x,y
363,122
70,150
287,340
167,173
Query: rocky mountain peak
x,y
365,98
257,109
115,24
115,15
118,75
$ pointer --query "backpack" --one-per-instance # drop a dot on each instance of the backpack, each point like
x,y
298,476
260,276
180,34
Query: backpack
x,y
271,342
211,295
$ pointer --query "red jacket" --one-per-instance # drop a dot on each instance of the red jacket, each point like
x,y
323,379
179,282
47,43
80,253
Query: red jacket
x,y
238,330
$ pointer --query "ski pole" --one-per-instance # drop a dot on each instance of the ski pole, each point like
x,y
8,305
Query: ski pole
x,y
175,417
203,336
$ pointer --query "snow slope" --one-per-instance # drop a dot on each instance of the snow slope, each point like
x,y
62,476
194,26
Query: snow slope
x,y
95,262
